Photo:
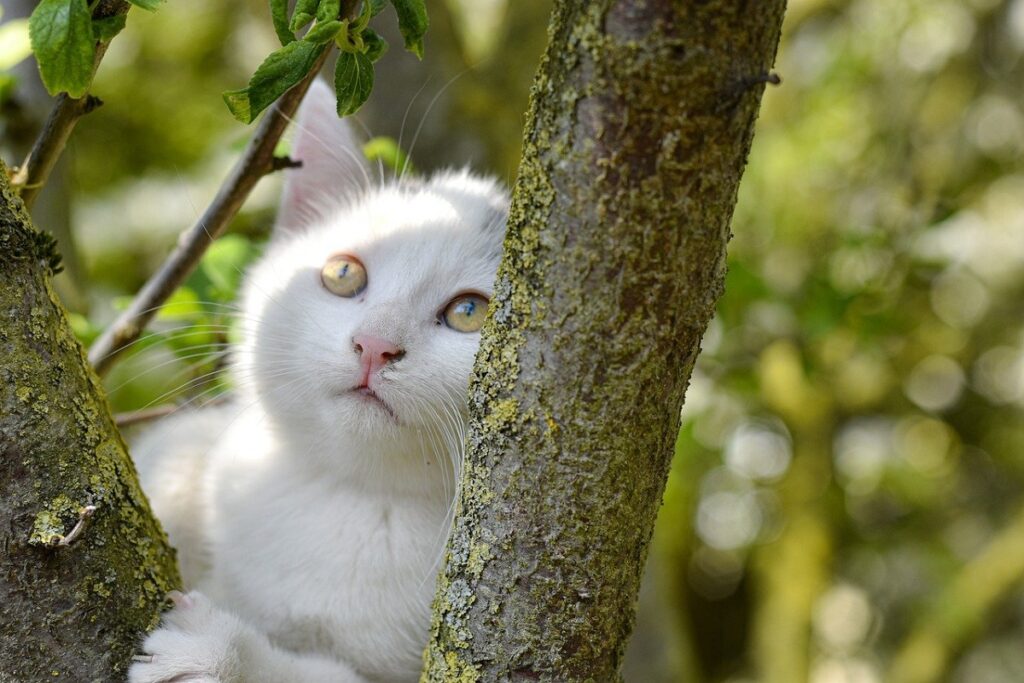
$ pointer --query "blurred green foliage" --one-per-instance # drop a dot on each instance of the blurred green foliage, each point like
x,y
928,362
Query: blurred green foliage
x,y
846,502
14,48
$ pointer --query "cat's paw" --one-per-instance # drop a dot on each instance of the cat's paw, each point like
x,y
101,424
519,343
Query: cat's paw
x,y
195,643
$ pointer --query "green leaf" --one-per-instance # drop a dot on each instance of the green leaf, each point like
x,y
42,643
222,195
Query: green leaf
x,y
323,32
377,6
412,22
305,12
281,70
376,46
105,29
387,151
61,35
353,81
328,10
279,15
14,42
239,105
148,5
83,329
224,262
183,304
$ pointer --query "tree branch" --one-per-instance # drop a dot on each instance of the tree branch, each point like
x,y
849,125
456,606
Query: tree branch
x,y
135,417
34,171
257,161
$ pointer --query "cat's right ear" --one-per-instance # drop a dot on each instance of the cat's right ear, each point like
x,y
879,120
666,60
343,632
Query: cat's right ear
x,y
334,170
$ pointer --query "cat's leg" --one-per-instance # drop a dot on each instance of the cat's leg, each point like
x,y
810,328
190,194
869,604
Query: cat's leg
x,y
198,641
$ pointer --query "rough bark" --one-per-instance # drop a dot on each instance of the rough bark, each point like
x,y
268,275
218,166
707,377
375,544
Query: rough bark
x,y
73,601
640,122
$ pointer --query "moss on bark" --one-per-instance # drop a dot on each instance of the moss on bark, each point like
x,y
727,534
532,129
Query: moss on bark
x,y
640,122
69,612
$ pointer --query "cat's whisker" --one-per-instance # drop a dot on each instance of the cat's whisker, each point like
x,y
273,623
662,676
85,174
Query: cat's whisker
x,y
398,173
207,377
445,445
171,306
214,394
192,383
453,448
423,119
252,283
211,350
329,150
355,162
189,330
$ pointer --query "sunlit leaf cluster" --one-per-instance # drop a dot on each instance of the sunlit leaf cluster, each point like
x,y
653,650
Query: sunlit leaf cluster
x,y
360,46
65,35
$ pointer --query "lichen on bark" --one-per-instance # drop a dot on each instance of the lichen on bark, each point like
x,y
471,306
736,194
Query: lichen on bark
x,y
640,122
67,612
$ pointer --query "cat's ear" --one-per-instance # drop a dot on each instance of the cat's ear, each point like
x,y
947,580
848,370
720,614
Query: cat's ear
x,y
334,170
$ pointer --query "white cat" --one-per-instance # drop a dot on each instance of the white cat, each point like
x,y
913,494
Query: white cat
x,y
310,514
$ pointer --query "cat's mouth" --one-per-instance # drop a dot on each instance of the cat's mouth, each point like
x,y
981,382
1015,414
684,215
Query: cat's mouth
x,y
365,393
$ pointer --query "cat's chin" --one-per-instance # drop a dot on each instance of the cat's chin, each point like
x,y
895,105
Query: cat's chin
x,y
365,396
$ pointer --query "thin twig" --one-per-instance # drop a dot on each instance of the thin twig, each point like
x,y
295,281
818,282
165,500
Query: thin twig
x,y
281,163
146,414
256,161
123,420
83,518
33,173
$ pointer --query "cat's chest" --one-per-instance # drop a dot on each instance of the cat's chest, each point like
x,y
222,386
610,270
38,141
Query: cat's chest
x,y
338,571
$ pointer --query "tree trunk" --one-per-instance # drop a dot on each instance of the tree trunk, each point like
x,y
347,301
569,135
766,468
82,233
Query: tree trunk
x,y
641,118
84,566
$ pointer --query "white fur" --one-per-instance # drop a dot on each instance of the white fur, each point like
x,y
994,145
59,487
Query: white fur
x,y
310,519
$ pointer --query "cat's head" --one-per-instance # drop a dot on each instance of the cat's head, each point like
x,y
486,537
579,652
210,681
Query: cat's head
x,y
362,319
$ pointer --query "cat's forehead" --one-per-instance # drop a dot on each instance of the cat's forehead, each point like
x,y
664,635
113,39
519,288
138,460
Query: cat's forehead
x,y
446,231
454,215
450,197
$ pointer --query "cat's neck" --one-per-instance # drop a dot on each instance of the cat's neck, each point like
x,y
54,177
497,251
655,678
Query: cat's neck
x,y
409,464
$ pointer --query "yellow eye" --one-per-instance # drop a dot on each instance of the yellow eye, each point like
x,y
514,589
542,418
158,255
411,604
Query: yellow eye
x,y
343,275
466,312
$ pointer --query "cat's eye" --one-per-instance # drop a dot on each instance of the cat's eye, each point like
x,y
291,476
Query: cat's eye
x,y
343,275
466,312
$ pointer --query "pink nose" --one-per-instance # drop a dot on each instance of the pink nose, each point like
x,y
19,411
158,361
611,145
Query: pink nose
x,y
375,353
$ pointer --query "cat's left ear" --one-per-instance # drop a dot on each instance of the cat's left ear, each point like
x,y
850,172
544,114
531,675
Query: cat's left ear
x,y
334,170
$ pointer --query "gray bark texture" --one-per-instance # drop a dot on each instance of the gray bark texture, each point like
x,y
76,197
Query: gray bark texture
x,y
641,117
84,566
